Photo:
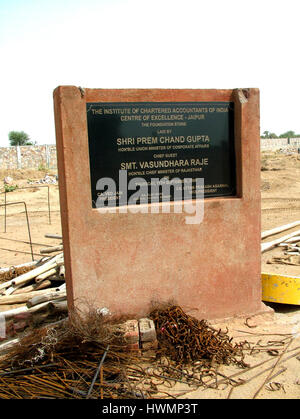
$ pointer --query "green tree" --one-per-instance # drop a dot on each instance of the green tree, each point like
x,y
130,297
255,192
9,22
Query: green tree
x,y
19,138
288,134
268,134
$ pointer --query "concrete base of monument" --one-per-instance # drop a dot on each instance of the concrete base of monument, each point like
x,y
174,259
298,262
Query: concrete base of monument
x,y
250,319
121,311
262,312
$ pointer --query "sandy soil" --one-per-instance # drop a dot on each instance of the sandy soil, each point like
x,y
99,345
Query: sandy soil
x,y
280,202
280,189
43,217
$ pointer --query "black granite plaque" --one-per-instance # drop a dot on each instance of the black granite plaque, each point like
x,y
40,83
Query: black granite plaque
x,y
162,139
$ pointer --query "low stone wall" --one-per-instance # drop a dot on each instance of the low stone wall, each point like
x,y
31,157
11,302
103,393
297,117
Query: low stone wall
x,y
273,144
28,157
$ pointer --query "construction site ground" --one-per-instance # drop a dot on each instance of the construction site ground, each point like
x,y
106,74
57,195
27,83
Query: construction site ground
x,y
280,204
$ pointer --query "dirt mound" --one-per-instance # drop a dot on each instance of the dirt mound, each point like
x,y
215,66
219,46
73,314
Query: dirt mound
x,y
25,174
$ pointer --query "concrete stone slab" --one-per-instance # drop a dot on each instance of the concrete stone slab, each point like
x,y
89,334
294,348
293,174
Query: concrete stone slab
x,y
131,332
147,330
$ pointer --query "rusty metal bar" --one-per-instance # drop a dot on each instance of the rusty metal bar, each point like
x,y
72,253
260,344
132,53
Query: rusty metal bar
x,y
5,212
27,220
28,187
97,372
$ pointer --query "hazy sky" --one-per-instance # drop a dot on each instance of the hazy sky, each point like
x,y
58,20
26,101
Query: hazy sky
x,y
146,44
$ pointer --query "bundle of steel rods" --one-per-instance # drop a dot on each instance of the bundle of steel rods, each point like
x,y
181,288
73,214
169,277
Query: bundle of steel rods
x,y
61,362
187,339
86,356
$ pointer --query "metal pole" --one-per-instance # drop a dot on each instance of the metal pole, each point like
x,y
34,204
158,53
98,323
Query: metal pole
x,y
29,234
30,187
27,219
5,211
97,372
26,187
49,212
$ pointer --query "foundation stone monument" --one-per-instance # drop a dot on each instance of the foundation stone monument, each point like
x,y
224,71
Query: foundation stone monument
x,y
129,241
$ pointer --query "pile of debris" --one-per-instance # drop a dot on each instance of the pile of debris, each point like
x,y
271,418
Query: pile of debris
x,y
35,290
46,180
290,243
93,356
90,356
